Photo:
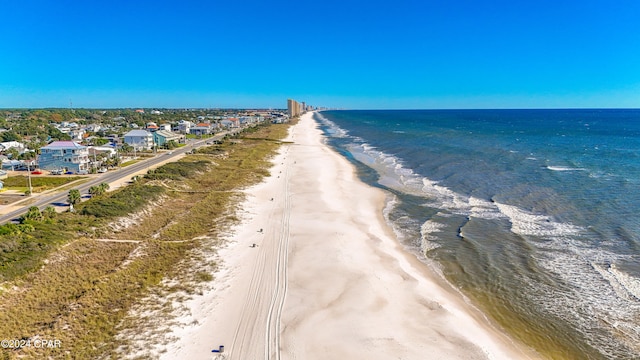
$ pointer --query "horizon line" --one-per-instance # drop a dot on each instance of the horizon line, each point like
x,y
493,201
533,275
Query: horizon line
x,y
322,109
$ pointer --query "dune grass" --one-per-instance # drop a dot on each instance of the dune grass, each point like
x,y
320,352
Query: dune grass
x,y
62,283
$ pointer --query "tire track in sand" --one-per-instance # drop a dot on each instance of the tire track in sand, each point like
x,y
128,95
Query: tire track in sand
x,y
258,331
272,336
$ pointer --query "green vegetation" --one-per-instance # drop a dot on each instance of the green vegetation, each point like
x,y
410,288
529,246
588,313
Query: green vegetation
x,y
81,293
126,201
98,190
178,170
130,162
74,197
38,183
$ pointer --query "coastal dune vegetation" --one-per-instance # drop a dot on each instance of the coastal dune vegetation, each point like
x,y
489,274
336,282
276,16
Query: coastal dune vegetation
x,y
76,276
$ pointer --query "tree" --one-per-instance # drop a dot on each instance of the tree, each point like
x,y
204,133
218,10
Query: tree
x,y
98,190
74,196
9,136
126,148
13,153
171,144
100,141
32,214
104,186
95,191
49,212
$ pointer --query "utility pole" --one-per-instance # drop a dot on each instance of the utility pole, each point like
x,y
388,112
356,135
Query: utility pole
x,y
29,177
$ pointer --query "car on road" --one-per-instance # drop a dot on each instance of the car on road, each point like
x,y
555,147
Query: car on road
x,y
102,170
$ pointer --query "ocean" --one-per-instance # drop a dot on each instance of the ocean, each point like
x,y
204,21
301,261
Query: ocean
x,y
531,214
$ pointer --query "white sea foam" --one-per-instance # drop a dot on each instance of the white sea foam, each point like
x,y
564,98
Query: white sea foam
x,y
603,299
630,283
564,168
334,130
395,175
427,231
483,209
605,272
525,223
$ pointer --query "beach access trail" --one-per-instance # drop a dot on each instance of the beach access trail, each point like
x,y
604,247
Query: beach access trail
x,y
326,278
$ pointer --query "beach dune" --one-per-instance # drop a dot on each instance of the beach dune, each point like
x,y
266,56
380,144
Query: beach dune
x,y
327,279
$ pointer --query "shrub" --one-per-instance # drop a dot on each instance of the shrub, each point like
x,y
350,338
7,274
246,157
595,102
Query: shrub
x,y
129,200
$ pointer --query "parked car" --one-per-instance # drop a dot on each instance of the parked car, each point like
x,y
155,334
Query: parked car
x,y
102,170
82,172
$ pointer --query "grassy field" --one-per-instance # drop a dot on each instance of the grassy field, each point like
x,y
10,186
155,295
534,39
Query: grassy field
x,y
61,281
38,182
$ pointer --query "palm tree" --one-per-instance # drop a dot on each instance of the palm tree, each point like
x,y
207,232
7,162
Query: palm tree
x,y
126,148
74,196
49,212
103,187
98,189
94,191
33,214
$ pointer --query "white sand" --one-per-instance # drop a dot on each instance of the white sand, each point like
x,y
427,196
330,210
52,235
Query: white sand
x,y
328,280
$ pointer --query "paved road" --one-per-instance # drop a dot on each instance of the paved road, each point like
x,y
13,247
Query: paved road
x,y
108,177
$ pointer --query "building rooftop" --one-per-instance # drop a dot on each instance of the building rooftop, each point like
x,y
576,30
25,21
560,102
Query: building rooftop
x,y
138,133
64,145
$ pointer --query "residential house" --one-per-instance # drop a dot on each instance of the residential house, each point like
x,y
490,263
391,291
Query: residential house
x,y
77,134
67,155
94,127
109,151
184,126
12,144
96,153
152,126
114,139
11,164
230,123
201,129
162,137
139,139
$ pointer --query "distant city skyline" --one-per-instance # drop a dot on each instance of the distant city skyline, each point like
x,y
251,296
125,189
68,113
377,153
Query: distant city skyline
x,y
356,55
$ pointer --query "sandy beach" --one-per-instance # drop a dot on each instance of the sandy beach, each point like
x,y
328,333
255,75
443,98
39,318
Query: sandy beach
x,y
327,279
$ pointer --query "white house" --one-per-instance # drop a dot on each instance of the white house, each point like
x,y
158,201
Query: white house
x,y
139,139
12,144
185,126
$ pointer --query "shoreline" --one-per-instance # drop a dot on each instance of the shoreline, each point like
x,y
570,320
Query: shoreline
x,y
328,278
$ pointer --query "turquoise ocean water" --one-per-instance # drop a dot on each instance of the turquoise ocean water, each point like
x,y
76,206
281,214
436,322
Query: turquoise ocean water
x,y
532,214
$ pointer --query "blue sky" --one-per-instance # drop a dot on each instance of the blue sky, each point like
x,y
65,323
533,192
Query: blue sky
x,y
348,53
